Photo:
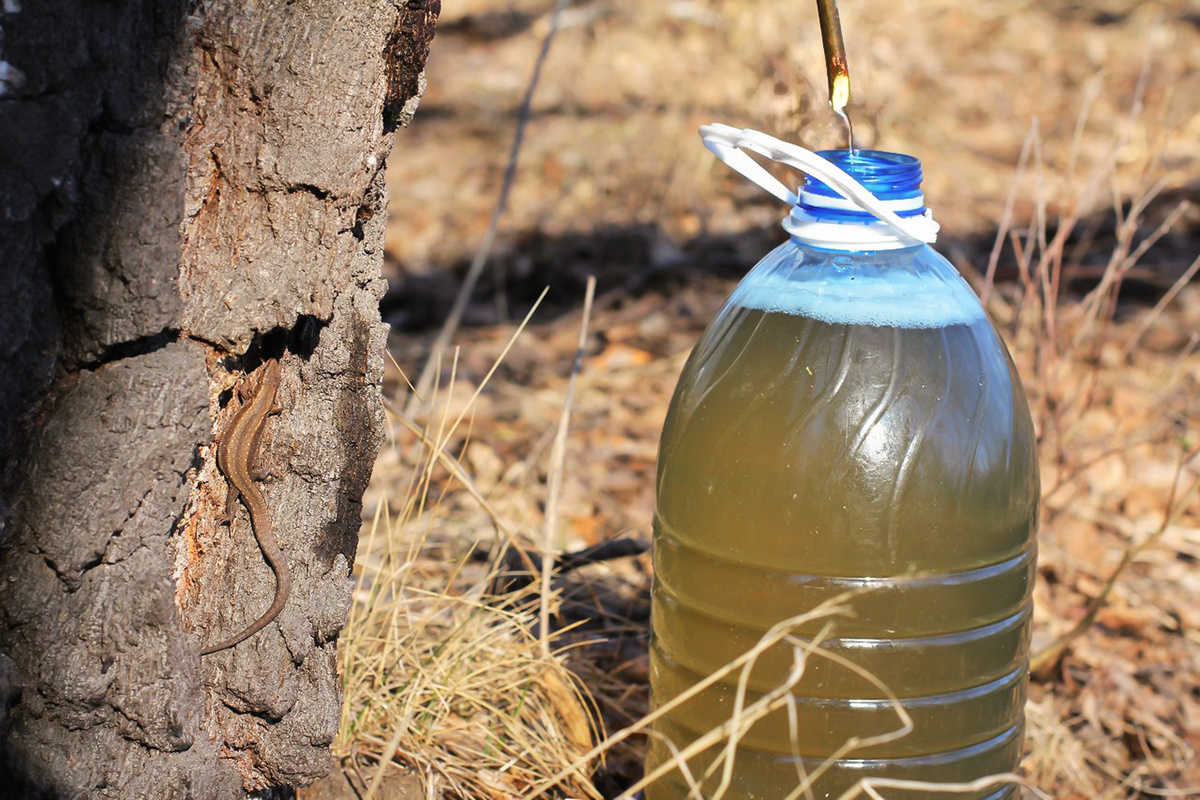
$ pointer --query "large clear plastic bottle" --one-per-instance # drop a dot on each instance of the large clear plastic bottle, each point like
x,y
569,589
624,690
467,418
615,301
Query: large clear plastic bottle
x,y
850,422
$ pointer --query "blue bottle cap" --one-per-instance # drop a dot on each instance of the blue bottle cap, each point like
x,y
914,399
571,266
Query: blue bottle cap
x,y
892,177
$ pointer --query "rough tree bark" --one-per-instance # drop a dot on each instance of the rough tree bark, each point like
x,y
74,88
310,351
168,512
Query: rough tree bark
x,y
187,187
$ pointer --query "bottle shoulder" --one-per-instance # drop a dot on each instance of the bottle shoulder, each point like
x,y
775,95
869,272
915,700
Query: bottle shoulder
x,y
907,288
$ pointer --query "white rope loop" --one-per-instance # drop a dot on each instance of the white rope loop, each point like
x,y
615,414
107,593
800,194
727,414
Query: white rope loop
x,y
729,144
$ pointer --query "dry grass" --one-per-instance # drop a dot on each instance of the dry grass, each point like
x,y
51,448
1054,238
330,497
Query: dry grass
x,y
443,675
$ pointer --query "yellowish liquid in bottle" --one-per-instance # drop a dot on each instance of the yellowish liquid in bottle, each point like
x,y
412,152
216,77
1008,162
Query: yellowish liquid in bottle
x,y
887,450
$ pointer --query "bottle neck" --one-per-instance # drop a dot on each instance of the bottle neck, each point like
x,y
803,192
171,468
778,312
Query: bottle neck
x,y
826,218
849,235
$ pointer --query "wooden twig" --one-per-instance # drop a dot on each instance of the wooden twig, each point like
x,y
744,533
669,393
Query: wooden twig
x,y
1006,220
514,568
836,67
1155,312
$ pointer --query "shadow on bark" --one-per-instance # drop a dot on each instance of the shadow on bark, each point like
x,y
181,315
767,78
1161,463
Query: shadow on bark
x,y
91,129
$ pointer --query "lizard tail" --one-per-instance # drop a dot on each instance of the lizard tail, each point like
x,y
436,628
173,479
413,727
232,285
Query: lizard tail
x,y
283,584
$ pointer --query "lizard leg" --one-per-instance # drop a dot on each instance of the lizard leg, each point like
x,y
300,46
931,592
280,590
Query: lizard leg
x,y
259,469
262,472
231,498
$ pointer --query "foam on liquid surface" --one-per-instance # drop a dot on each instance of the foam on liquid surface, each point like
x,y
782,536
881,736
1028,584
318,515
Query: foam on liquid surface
x,y
870,294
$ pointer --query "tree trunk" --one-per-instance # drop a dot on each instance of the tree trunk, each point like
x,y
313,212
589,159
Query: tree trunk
x,y
187,189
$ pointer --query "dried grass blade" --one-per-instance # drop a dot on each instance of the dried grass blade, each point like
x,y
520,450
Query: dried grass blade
x,y
558,456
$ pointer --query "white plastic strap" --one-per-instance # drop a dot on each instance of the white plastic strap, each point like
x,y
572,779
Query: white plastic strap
x,y
729,144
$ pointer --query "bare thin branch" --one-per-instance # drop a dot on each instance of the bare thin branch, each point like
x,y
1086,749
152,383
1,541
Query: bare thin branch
x,y
450,326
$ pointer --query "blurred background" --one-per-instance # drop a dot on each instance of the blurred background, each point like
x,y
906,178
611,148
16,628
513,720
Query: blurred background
x,y
1061,149
613,180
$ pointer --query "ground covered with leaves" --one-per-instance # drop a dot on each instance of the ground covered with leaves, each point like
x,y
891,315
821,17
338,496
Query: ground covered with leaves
x,y
1061,153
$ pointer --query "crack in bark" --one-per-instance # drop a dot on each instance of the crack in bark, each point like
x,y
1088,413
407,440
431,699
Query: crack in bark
x,y
315,191
132,348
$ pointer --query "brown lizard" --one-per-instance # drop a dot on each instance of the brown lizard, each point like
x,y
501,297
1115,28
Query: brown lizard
x,y
237,458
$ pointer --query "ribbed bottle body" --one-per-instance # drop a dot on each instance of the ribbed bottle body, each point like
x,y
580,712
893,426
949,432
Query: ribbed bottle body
x,y
849,426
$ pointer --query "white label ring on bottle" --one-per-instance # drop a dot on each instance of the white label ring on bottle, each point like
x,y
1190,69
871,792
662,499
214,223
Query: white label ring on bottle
x,y
729,144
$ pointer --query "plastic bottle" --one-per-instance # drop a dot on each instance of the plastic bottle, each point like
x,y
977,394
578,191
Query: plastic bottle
x,y
850,422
